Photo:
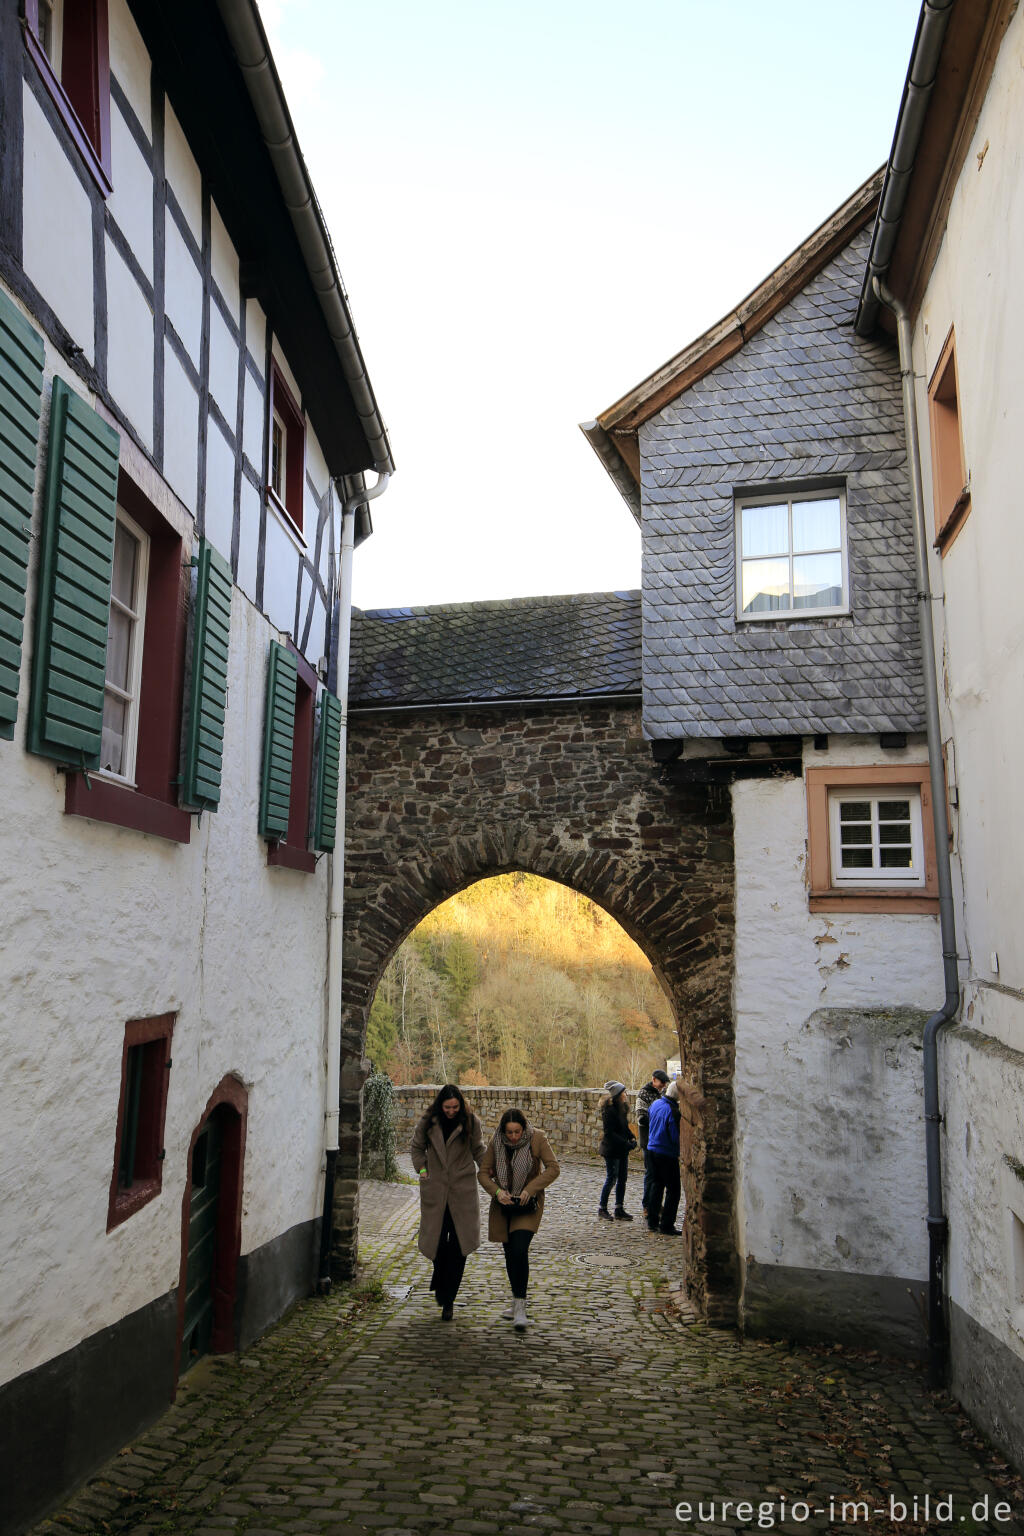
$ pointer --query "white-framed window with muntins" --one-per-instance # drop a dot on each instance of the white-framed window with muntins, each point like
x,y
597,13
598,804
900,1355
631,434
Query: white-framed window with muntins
x,y
876,839
791,559
125,632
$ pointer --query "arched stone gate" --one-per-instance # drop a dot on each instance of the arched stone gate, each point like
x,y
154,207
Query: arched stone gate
x,y
440,798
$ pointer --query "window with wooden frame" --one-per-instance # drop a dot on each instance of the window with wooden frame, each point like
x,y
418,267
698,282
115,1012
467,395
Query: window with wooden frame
x,y
69,43
791,555
871,839
950,482
286,452
141,1113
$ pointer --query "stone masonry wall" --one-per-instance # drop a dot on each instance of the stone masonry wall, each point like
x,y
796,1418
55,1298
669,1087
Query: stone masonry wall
x,y
569,1117
437,800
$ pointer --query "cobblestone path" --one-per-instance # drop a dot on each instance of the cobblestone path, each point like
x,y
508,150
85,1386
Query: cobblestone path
x,y
364,1413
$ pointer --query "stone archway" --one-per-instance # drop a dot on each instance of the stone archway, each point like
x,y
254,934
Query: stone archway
x,y
438,799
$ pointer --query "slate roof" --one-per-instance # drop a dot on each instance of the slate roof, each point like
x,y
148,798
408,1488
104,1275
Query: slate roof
x,y
582,646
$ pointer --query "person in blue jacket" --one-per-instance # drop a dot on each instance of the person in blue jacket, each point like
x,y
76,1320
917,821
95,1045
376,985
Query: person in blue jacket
x,y
663,1147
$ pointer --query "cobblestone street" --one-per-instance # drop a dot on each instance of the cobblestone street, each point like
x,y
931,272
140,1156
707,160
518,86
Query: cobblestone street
x,y
363,1412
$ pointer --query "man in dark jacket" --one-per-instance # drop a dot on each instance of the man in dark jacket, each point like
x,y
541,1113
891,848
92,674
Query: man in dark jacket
x,y
644,1099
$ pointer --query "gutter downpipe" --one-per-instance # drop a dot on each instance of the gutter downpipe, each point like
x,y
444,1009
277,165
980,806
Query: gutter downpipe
x,y
938,1225
332,1104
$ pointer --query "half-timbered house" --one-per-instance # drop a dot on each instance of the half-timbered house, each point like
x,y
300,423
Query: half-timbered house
x,y
185,423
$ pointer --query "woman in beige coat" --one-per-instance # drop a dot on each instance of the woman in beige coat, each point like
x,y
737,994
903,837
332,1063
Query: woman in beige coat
x,y
447,1145
516,1169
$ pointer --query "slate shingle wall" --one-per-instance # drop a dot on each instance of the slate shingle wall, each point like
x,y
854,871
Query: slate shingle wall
x,y
803,398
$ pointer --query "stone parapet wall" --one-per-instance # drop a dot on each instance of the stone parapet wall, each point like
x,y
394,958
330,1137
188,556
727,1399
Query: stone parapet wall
x,y
569,1117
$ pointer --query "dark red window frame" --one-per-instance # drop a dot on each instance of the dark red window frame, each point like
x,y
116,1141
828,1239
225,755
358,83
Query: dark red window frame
x,y
151,1037
82,94
152,806
284,403
293,852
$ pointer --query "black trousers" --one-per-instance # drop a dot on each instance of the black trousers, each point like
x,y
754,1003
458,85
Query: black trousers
x,y
663,1201
449,1263
647,1179
517,1262
618,1168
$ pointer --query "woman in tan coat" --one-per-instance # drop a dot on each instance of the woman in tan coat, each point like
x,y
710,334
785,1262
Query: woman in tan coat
x,y
447,1145
516,1169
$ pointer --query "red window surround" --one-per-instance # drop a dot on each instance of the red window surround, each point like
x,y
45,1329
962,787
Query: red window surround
x,y
284,405
82,94
153,1038
152,806
293,852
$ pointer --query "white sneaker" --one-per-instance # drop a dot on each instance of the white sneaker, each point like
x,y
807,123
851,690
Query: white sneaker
x,y
519,1315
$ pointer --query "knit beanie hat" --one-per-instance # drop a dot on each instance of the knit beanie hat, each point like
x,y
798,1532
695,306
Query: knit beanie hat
x,y
614,1088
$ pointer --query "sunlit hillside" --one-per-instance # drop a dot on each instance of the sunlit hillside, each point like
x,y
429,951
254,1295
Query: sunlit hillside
x,y
521,981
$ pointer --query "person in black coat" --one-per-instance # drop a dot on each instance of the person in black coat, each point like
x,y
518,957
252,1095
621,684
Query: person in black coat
x,y
617,1142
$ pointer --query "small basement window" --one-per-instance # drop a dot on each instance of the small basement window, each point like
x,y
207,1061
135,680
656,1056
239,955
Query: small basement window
x,y
791,555
142,1107
286,467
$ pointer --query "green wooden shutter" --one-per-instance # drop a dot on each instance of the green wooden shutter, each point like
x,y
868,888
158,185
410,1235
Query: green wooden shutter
x,y
73,602
207,703
21,393
327,771
278,740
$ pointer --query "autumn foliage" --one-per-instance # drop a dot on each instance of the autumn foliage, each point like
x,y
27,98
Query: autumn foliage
x,y
519,981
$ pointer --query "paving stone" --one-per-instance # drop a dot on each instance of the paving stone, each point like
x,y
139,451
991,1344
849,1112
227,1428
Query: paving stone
x,y
599,1419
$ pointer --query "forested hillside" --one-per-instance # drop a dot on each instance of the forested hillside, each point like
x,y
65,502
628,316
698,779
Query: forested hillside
x,y
520,981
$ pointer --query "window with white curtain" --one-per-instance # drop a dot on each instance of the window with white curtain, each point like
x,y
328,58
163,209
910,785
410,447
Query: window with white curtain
x,y
125,631
791,555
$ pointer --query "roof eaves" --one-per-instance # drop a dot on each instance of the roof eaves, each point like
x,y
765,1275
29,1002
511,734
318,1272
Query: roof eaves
x,y
249,40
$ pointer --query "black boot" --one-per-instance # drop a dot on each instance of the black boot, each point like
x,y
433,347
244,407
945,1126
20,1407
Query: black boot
x,y
621,1214
603,1213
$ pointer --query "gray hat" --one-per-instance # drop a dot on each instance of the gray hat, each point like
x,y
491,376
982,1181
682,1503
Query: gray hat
x,y
614,1088
660,1075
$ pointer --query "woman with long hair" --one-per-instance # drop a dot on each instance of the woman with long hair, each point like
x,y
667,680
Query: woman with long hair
x,y
617,1142
447,1146
516,1169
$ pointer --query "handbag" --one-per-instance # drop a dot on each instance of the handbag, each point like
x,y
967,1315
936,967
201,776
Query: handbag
x,y
521,1207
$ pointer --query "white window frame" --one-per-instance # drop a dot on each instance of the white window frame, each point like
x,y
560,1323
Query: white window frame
x,y
280,489
137,614
55,54
775,498
876,876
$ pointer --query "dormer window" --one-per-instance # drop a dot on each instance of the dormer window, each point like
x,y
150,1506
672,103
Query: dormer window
x,y
791,555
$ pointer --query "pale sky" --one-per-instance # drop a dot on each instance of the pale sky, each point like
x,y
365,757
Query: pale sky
x,y
534,204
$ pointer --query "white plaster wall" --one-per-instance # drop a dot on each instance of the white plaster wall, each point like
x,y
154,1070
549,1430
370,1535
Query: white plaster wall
x,y
182,173
57,241
181,431
224,262
223,366
183,290
975,287
129,346
248,539
283,364
131,201
316,464
252,424
220,489
983,1106
256,334
104,925
281,574
830,1133
129,62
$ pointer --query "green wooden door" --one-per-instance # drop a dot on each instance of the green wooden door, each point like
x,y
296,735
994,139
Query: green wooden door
x,y
202,1240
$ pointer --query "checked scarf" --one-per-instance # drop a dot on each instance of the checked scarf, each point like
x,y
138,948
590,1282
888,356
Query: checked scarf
x,y
512,1165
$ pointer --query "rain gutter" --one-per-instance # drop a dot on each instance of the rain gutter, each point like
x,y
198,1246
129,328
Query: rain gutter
x,y
249,41
924,63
